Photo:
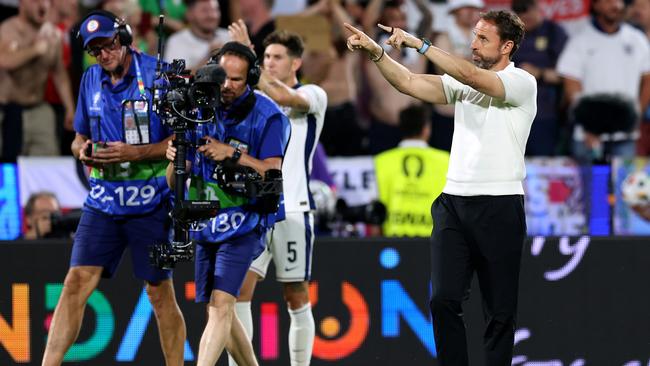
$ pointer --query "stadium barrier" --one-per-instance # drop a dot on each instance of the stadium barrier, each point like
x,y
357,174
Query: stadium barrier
x,y
583,301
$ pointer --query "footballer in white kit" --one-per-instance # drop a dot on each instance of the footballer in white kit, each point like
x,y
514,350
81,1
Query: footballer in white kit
x,y
290,242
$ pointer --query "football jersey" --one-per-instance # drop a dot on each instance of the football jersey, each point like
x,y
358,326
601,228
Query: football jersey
x,y
306,128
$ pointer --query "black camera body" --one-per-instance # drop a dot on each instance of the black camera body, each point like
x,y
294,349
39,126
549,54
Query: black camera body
x,y
263,192
64,225
180,98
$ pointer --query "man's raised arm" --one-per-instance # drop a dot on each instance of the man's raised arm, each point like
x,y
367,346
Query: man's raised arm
x,y
422,86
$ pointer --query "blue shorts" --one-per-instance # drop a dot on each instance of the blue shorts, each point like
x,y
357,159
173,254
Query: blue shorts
x,y
223,266
100,240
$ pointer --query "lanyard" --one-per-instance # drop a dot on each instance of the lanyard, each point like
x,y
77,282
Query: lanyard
x,y
140,81
143,96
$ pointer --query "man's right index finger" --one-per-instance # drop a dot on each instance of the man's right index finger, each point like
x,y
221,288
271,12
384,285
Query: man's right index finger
x,y
385,28
352,29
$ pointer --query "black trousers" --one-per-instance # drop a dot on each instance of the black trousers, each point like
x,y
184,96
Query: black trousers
x,y
482,234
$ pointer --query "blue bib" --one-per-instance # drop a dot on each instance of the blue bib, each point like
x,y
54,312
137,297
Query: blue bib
x,y
132,188
262,134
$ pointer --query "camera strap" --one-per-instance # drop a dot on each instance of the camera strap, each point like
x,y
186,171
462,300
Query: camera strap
x,y
139,79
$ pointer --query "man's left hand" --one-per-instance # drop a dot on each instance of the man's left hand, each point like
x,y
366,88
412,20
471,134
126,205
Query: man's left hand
x,y
215,150
400,38
116,152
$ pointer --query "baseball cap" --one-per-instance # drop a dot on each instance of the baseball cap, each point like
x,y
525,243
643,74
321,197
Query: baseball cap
x,y
96,26
453,5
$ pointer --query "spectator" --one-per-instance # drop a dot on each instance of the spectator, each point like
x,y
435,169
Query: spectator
x,y
38,214
386,102
640,17
257,16
336,71
64,15
31,47
287,7
609,59
410,177
538,55
196,43
464,15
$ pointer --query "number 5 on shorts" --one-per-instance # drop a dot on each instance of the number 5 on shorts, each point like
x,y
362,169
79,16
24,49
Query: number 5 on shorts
x,y
291,251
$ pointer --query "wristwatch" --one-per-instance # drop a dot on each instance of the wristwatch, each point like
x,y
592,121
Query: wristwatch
x,y
235,155
425,46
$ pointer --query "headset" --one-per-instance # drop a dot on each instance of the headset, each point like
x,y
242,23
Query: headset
x,y
254,71
123,30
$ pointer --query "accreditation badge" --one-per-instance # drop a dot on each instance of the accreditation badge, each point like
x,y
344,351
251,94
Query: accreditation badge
x,y
135,120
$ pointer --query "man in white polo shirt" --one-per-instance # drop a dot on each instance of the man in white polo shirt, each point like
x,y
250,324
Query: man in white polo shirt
x,y
609,61
196,43
478,221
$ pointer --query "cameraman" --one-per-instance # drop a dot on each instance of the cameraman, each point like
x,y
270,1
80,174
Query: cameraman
x,y
127,206
38,214
251,132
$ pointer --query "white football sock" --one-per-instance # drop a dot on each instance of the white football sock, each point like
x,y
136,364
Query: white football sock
x,y
301,335
243,311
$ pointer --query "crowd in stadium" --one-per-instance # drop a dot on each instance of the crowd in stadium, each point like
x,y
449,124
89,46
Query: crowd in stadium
x,y
363,111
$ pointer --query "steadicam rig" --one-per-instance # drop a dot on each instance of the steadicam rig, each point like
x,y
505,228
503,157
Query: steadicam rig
x,y
182,100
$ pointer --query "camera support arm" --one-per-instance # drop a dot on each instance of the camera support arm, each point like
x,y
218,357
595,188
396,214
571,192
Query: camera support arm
x,y
180,177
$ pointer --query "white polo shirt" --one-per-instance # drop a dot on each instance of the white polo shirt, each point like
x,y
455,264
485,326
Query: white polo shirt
x,y
607,63
487,150
185,45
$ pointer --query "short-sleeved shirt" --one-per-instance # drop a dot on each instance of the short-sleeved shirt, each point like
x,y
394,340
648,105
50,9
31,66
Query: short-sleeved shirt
x,y
185,45
306,128
130,188
262,134
542,47
607,63
490,134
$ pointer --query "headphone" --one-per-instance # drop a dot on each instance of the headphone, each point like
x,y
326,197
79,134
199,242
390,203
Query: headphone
x,y
253,75
123,30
